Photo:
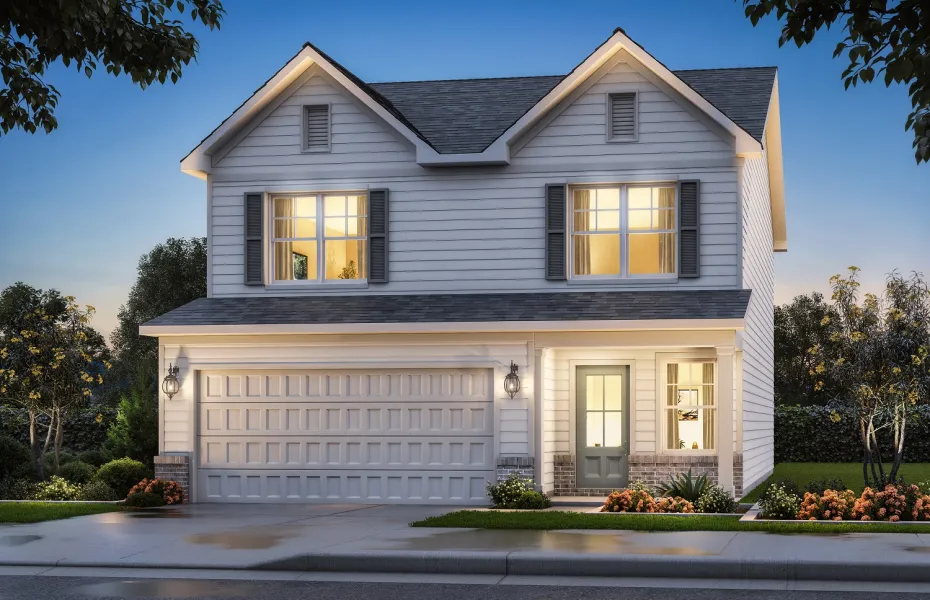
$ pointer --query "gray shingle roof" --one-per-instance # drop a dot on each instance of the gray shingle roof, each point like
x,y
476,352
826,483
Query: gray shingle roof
x,y
460,308
467,115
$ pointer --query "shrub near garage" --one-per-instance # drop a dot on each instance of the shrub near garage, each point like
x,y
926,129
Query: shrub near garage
x,y
97,491
77,472
56,488
170,491
122,474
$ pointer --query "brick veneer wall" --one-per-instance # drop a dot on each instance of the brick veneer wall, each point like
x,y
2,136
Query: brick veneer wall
x,y
524,466
651,469
177,468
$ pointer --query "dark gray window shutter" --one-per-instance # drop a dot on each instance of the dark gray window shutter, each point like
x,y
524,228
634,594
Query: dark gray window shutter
x,y
623,116
378,212
555,232
254,242
317,127
689,242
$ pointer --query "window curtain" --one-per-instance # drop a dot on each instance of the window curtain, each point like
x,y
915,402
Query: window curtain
x,y
709,400
672,411
284,251
361,208
582,222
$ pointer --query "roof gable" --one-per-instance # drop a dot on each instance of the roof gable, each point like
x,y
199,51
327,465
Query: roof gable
x,y
473,121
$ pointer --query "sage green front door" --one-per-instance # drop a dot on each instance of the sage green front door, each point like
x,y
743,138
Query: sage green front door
x,y
602,426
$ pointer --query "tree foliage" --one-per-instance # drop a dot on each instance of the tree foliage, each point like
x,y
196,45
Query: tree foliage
x,y
140,38
51,360
135,432
881,347
799,326
171,275
884,39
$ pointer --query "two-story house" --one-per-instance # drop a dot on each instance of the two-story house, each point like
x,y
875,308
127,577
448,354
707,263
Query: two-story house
x,y
389,262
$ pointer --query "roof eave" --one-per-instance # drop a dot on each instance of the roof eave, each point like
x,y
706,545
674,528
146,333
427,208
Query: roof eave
x,y
776,172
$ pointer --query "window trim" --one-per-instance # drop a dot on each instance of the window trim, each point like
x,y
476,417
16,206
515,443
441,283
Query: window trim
x,y
320,281
624,275
621,139
662,408
304,142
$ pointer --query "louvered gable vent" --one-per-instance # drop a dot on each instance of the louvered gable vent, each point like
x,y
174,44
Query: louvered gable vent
x,y
316,135
623,116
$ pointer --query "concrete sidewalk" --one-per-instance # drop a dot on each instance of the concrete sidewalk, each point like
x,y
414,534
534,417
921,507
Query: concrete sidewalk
x,y
377,539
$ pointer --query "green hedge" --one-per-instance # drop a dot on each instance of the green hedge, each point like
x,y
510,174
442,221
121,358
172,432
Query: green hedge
x,y
831,434
82,430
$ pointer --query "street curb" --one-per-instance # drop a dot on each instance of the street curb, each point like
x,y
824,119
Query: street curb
x,y
599,565
550,564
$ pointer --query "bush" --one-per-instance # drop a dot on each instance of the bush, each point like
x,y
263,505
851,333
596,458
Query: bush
x,y
641,486
95,457
15,459
684,485
170,491
509,491
77,472
673,505
831,505
530,500
715,499
97,491
64,457
122,474
894,503
779,503
787,485
144,500
56,488
629,501
134,432
17,489
819,486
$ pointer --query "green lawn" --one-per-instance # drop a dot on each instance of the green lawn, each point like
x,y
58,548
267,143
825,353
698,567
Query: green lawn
x,y
33,512
850,473
570,520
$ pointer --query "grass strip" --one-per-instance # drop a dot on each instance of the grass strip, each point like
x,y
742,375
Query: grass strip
x,y
35,512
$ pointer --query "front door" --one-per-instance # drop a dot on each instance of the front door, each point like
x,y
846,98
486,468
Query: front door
x,y
602,436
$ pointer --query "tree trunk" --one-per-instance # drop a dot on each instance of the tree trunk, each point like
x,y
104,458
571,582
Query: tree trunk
x,y
38,465
59,434
48,439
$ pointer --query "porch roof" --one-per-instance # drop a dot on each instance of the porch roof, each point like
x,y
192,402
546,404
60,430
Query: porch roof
x,y
457,308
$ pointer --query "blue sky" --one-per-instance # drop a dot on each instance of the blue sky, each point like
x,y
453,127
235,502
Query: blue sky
x,y
81,205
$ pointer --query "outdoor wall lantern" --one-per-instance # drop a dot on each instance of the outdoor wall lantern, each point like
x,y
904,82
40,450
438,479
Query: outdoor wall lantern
x,y
171,385
512,381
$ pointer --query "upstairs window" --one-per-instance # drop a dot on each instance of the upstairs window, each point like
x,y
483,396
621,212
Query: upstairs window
x,y
623,231
320,238
622,117
316,128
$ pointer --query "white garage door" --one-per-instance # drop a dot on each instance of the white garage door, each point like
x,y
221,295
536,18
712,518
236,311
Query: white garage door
x,y
389,436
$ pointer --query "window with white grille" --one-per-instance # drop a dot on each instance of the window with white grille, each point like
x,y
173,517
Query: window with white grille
x,y
622,117
316,128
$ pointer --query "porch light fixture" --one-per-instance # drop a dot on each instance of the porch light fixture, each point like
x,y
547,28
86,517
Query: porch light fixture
x,y
512,381
170,385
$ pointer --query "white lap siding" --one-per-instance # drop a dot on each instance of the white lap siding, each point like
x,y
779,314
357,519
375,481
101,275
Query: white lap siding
x,y
759,345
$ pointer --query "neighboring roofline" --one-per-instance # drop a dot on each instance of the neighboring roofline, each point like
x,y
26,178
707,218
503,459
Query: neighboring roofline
x,y
447,327
199,161
776,171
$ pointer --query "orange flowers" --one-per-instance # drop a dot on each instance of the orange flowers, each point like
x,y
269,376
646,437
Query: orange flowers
x,y
640,501
171,491
833,505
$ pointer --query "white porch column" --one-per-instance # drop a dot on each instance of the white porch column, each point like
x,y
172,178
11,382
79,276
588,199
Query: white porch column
x,y
725,371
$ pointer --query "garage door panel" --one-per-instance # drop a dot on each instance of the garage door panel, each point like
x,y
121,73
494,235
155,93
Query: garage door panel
x,y
401,487
347,453
358,418
447,385
393,436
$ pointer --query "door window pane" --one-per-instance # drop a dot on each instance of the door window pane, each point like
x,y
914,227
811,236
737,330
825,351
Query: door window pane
x,y
594,388
613,392
613,429
594,434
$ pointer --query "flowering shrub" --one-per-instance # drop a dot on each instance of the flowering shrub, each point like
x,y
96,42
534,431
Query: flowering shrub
x,y
673,505
170,491
57,488
779,503
921,510
715,499
833,505
629,501
509,491
144,500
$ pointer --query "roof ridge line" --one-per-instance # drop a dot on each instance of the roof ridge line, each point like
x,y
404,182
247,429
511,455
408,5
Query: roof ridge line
x,y
466,79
